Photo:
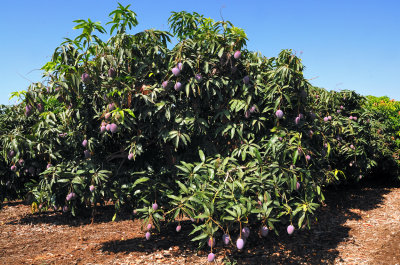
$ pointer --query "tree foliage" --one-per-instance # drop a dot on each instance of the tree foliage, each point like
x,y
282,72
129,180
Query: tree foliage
x,y
192,127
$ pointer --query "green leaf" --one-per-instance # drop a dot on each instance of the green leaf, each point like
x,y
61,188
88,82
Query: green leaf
x,y
130,112
182,187
200,237
232,213
63,180
295,156
301,219
221,51
141,180
202,157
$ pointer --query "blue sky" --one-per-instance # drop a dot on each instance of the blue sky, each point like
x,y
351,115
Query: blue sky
x,y
345,44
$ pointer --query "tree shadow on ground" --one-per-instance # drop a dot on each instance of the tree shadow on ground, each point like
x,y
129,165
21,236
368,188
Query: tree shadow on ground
x,y
315,246
165,240
319,244
103,214
12,203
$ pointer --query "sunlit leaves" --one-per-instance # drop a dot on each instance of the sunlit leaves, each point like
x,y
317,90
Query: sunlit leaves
x,y
122,18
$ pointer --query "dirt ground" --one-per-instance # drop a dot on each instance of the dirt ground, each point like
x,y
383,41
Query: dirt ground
x,y
358,225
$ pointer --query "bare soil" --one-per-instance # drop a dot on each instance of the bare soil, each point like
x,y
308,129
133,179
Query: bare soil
x,y
358,225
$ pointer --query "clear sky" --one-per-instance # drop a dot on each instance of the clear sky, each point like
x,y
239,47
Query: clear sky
x,y
345,44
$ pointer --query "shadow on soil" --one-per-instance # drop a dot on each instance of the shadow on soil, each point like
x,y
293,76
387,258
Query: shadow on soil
x,y
314,246
163,241
12,203
103,214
